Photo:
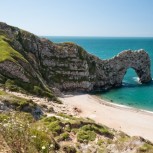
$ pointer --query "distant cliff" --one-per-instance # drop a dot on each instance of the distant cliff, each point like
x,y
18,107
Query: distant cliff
x,y
34,63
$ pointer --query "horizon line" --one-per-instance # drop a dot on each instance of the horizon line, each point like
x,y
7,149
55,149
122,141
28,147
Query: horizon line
x,y
97,36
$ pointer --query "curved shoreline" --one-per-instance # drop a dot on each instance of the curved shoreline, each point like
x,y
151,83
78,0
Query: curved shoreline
x,y
130,108
134,122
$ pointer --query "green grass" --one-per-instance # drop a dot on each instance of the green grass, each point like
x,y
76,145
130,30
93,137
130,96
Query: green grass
x,y
55,127
23,87
17,102
67,116
145,148
42,139
100,142
7,52
86,136
3,117
50,119
22,134
62,137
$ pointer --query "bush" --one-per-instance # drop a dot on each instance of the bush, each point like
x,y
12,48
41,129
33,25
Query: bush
x,y
55,127
45,93
100,142
10,84
86,136
145,148
98,129
50,119
69,149
67,116
3,117
37,90
63,136
40,140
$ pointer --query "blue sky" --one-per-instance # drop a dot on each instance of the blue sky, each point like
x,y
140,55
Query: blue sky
x,y
80,17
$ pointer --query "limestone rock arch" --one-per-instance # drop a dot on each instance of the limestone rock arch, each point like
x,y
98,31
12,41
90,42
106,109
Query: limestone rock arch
x,y
117,67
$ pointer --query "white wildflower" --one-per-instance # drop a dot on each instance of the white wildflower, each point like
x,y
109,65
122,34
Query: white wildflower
x,y
51,146
33,136
43,147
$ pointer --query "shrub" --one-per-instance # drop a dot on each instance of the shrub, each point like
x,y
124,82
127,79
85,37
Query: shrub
x,y
66,116
69,149
10,84
63,136
86,136
3,117
50,119
55,127
100,142
40,140
145,148
37,90
98,129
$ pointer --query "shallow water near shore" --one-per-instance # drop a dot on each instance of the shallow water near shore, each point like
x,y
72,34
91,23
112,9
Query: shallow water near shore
x,y
132,93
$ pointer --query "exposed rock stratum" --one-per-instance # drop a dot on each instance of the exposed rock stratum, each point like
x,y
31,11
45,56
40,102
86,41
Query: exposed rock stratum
x,y
66,66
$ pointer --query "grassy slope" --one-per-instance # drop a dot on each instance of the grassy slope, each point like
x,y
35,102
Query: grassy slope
x,y
59,133
63,134
7,52
15,102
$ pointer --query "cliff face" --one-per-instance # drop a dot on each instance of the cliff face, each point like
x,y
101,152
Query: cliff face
x,y
66,66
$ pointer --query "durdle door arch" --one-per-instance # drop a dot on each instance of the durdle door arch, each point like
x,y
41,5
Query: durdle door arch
x,y
118,65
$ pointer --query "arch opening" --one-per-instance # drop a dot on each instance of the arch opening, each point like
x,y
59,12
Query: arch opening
x,y
131,77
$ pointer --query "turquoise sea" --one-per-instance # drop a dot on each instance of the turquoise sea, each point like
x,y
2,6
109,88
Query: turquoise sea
x,y
131,93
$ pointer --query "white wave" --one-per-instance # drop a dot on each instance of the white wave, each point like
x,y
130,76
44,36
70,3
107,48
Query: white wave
x,y
136,79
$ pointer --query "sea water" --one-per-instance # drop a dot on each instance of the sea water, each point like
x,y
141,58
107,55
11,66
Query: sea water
x,y
132,93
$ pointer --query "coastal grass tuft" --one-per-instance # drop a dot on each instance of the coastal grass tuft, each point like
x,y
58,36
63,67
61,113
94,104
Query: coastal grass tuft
x,y
62,137
86,136
3,117
55,127
69,149
147,148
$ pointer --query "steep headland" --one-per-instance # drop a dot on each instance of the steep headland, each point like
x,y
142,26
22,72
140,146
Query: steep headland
x,y
34,63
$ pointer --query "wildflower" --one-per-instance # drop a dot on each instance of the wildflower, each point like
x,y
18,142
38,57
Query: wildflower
x,y
33,136
51,146
43,147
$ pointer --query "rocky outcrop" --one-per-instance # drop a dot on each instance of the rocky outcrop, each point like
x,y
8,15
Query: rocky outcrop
x,y
66,66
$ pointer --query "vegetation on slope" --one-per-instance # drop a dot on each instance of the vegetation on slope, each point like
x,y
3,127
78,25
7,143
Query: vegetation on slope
x,y
18,86
15,102
22,132
7,52
63,134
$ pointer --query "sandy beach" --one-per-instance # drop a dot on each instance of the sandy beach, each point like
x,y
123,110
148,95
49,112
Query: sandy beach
x,y
132,121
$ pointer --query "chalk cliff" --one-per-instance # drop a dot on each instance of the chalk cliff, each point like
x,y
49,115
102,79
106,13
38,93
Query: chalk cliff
x,y
28,59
